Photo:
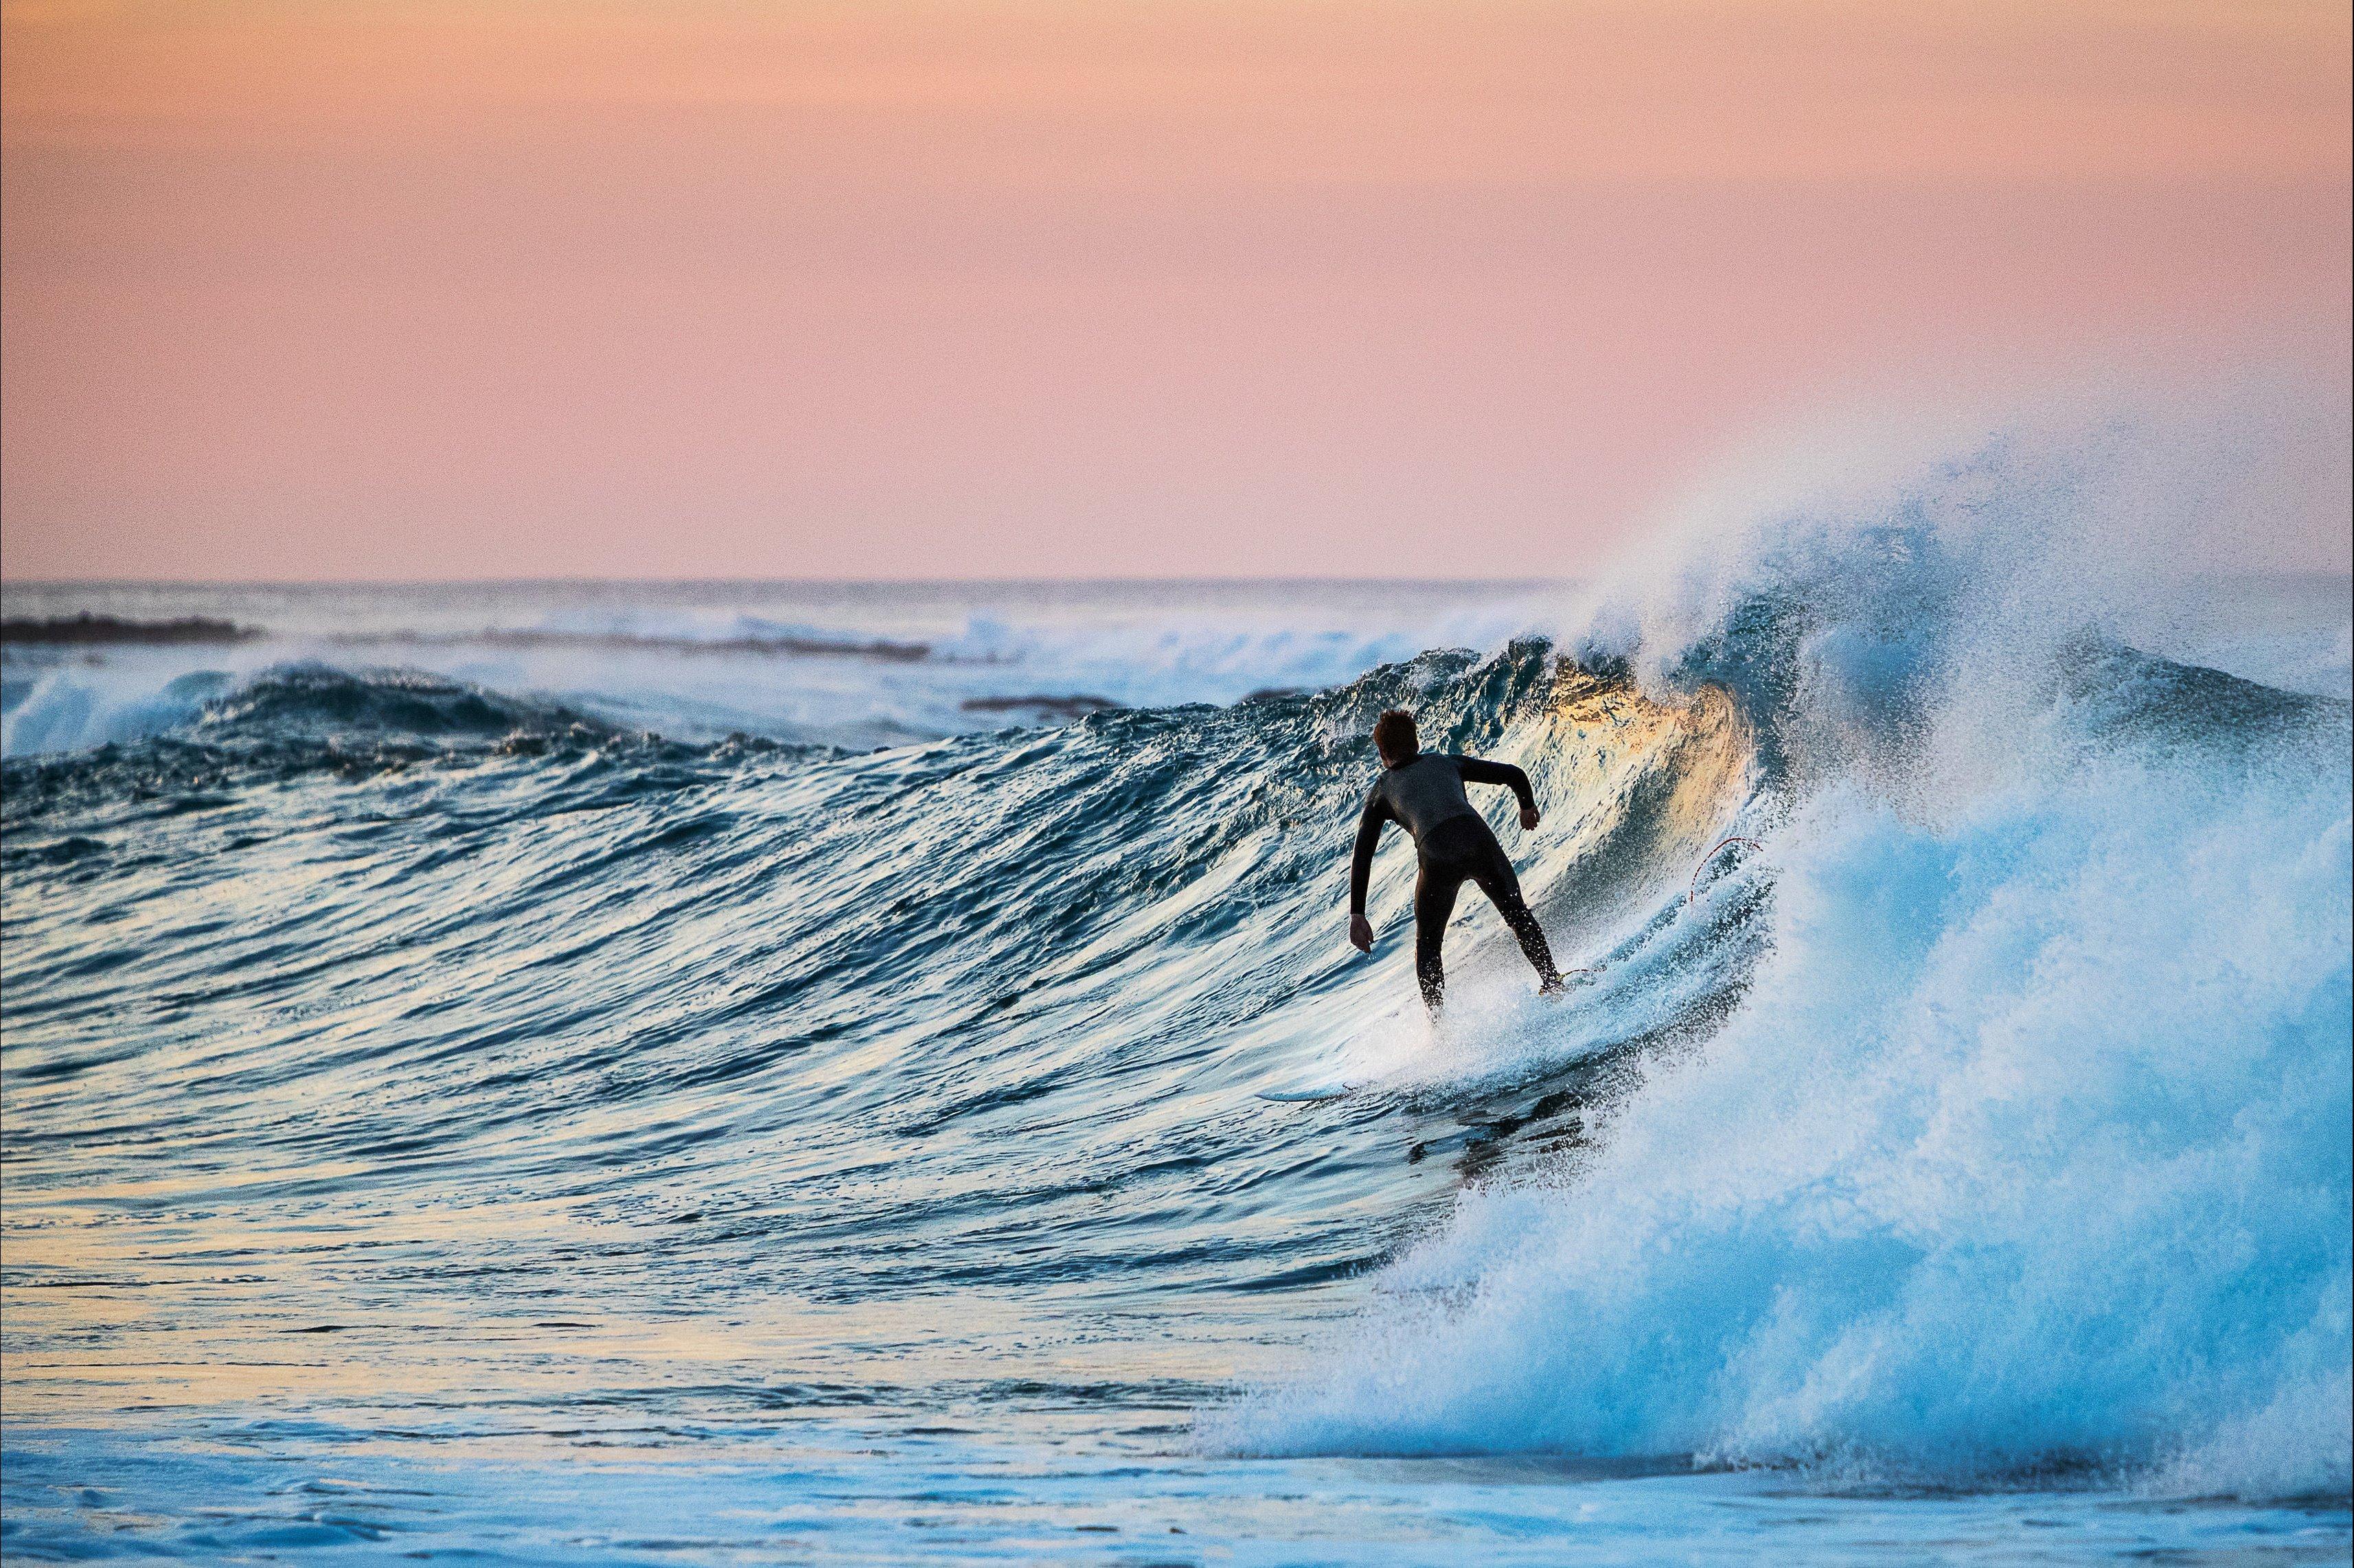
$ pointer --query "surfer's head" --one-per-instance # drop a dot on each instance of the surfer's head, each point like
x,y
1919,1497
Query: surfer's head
x,y
1394,737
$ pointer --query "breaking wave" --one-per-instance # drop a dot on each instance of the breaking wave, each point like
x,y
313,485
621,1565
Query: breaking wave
x,y
1955,1089
2026,1148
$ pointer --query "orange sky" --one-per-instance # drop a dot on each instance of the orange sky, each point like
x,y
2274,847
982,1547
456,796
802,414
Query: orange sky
x,y
417,290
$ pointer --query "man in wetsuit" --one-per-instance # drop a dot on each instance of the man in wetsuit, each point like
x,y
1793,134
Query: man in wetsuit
x,y
1425,793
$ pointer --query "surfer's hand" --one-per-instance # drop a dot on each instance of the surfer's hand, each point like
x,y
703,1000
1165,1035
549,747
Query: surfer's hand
x,y
1361,933
1528,816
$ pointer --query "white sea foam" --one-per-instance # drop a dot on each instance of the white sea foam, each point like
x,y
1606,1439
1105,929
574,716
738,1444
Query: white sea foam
x,y
2028,1142
2031,1141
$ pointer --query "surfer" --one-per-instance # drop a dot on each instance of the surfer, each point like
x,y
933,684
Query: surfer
x,y
1425,794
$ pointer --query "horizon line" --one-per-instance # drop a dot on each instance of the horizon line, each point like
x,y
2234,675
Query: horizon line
x,y
1227,581
1113,581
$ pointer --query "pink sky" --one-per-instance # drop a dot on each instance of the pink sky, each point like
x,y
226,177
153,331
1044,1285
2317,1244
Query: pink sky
x,y
425,289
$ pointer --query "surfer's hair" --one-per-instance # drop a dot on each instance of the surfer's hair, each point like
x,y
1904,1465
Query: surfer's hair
x,y
1395,736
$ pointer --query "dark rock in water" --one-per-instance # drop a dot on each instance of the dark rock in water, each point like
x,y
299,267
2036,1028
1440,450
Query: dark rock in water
x,y
87,627
819,648
1060,708
1276,694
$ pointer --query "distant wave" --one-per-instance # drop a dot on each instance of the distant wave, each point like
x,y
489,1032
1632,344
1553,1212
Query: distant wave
x,y
855,671
86,629
97,630
1075,706
800,645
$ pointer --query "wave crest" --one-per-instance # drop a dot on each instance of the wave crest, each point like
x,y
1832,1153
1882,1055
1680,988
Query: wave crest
x,y
2024,1148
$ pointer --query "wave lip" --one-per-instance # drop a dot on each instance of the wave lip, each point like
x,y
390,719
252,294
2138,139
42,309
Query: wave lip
x,y
2026,1153
314,698
2027,1150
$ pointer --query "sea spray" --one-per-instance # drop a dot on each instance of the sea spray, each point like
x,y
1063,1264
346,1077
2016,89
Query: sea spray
x,y
2027,1147
2025,1150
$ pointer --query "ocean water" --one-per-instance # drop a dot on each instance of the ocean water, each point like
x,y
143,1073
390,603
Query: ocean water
x,y
741,1073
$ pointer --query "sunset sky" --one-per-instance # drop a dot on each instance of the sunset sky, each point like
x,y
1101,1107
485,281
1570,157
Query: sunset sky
x,y
392,289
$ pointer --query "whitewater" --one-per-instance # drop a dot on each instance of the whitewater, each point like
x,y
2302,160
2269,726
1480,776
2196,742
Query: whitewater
x,y
652,1072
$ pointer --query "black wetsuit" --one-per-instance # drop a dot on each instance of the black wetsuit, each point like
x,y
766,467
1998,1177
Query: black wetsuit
x,y
1452,841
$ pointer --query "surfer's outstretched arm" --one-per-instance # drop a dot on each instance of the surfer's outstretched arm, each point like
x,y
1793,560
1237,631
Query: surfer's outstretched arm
x,y
1361,868
1479,770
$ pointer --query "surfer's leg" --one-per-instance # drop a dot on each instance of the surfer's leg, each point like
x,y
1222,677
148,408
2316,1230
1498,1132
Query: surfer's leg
x,y
1433,903
1502,885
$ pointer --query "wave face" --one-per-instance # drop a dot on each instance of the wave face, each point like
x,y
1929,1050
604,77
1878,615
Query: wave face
x,y
447,1014
2027,1147
1955,1089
